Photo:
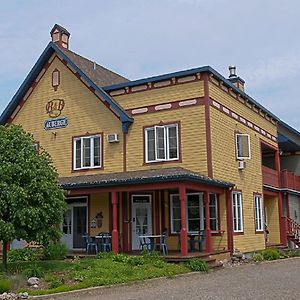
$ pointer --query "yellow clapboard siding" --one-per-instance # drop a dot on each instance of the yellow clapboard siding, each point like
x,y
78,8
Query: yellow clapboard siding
x,y
193,139
85,113
239,108
271,208
161,95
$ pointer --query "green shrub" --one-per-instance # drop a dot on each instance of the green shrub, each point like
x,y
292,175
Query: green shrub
x,y
5,285
55,251
34,271
122,258
24,254
136,261
105,255
196,264
270,254
257,257
55,283
294,253
147,253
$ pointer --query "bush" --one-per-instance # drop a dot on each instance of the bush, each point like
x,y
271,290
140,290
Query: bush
x,y
152,254
105,255
123,258
257,257
196,264
55,283
24,254
136,261
55,251
294,253
270,254
5,285
34,271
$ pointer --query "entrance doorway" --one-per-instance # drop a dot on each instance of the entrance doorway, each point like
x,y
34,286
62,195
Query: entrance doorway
x,y
141,218
74,224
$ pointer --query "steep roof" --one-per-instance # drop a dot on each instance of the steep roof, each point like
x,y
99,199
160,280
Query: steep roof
x,y
100,75
49,50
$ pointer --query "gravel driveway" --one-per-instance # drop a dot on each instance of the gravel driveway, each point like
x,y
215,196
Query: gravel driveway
x,y
273,280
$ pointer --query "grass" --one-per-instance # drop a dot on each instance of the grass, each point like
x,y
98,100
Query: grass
x,y
63,276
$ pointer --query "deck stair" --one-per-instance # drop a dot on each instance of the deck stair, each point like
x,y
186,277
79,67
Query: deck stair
x,y
293,231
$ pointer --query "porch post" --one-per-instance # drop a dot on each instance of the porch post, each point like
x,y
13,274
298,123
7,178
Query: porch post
x,y
183,232
208,247
282,220
115,234
229,221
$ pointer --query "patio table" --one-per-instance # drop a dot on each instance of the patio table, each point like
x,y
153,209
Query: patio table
x,y
152,239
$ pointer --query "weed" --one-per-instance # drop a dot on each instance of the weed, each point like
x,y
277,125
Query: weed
x,y
196,264
5,285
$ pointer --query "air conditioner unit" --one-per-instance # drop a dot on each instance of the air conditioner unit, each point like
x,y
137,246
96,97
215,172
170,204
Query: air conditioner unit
x,y
112,138
241,165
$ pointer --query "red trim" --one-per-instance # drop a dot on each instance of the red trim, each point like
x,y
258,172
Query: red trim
x,y
156,212
162,209
179,160
174,105
183,232
115,233
270,193
207,126
124,152
110,213
124,223
101,152
130,221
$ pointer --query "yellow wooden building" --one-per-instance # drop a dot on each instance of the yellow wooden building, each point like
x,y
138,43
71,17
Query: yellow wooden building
x,y
180,153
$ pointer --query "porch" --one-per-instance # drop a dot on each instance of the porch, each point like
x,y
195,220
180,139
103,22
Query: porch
x,y
174,200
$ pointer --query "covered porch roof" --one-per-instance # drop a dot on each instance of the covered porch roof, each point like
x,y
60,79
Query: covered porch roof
x,y
144,178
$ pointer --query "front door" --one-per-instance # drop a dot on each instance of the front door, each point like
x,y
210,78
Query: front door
x,y
141,218
74,223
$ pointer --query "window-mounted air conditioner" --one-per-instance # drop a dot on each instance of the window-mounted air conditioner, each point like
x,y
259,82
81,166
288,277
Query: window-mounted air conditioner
x,y
112,138
241,164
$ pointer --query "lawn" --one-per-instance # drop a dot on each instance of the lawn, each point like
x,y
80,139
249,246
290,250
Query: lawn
x,y
67,275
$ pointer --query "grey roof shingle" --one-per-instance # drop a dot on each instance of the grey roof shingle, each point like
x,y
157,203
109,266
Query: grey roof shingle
x,y
139,177
100,75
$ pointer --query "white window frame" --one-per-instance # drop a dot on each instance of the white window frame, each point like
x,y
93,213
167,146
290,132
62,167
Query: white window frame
x,y
237,210
201,208
166,143
258,213
216,208
92,165
237,146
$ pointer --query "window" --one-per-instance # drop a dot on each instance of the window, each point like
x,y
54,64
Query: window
x,y
237,212
87,152
213,212
161,143
242,146
195,212
258,213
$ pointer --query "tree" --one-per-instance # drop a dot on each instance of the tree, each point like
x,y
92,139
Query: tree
x,y
31,201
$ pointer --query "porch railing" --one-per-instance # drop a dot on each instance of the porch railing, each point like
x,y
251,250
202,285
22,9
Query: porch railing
x,y
290,180
270,176
293,229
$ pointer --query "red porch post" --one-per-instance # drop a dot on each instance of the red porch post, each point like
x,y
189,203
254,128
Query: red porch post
x,y
229,221
207,223
115,234
282,220
183,232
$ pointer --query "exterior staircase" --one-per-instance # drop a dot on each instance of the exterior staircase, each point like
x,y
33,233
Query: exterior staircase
x,y
293,231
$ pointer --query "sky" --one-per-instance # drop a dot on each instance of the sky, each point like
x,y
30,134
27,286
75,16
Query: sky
x,y
142,38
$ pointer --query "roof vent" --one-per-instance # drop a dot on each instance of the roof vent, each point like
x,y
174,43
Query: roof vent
x,y
232,71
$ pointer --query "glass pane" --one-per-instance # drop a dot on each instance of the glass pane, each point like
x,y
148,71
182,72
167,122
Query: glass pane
x,y
243,145
97,159
213,224
86,152
150,144
173,151
176,225
193,213
78,153
193,225
160,142
176,213
193,201
141,220
212,212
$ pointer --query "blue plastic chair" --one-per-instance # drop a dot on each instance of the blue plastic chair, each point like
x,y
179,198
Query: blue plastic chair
x,y
144,244
105,242
89,244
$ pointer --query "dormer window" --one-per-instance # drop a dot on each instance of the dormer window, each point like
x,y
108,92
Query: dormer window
x,y
161,143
